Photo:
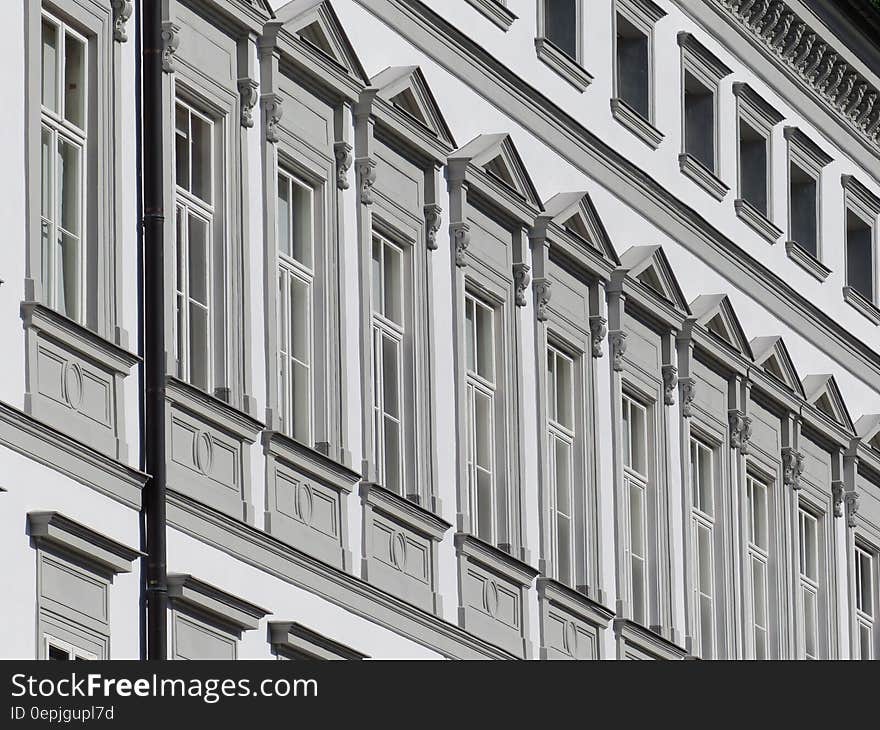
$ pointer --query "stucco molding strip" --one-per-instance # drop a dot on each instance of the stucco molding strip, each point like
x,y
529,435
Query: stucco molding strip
x,y
256,548
560,131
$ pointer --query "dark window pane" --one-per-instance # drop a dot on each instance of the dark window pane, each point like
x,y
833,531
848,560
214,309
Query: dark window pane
x,y
804,219
560,24
859,258
632,67
753,167
699,122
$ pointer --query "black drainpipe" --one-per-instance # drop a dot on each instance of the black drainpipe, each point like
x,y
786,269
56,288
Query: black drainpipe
x,y
154,330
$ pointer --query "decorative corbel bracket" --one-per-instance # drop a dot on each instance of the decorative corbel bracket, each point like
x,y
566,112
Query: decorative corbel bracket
x,y
837,489
617,343
740,431
344,159
521,278
792,467
598,333
687,389
273,110
433,216
170,44
247,92
461,237
670,381
366,172
121,13
851,500
543,290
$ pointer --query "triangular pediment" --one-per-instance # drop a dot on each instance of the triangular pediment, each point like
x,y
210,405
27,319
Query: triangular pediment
x,y
649,265
868,430
316,23
576,213
262,5
406,89
771,354
715,313
822,392
497,156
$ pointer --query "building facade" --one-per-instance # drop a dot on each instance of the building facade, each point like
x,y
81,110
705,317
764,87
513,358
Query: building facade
x,y
537,329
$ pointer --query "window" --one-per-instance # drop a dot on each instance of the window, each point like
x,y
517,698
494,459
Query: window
x,y
862,208
559,43
485,507
388,363
195,308
702,471
561,25
757,561
865,602
701,74
561,458
809,582
295,305
57,650
635,463
63,146
805,164
633,97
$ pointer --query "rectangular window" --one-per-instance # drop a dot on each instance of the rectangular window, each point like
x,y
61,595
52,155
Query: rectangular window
x,y
388,363
753,167
481,386
865,602
633,67
758,555
809,582
804,202
295,306
703,538
635,462
561,25
561,423
699,121
58,650
194,271
860,255
63,146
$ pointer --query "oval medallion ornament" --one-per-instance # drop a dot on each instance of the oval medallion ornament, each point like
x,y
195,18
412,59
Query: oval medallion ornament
x,y
398,550
203,452
304,504
490,598
570,638
73,385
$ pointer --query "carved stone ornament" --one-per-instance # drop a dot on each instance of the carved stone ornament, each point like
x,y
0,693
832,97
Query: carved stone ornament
x,y
687,389
837,497
543,290
273,110
461,238
170,44
851,500
792,467
740,431
366,172
598,333
670,381
521,278
433,216
247,92
342,153
121,13
617,343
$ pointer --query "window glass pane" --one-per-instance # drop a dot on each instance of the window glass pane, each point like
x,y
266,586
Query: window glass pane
x,y
391,376
753,166
302,224
627,433
284,233
560,23
707,631
69,186
300,315
198,260
809,546
563,550
181,146
485,342
377,276
699,112
46,160
50,66
758,497
74,80
804,199
198,346
865,594
563,476
866,642
393,284
483,430
551,385
57,654
484,505
201,157
470,334
759,607
859,256
637,569
704,560
637,519
391,439
637,439
810,623
301,403
564,392
633,70
69,276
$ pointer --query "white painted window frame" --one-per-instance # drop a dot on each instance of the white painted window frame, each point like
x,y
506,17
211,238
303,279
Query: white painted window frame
x,y
865,620
636,482
73,652
809,585
702,519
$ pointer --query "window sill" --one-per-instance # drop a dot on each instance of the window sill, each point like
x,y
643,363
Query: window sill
x,y
494,558
417,518
563,64
857,301
636,123
213,410
702,176
586,605
494,11
304,458
647,641
807,261
756,220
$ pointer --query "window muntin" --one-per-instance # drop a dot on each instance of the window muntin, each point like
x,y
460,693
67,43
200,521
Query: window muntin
x,y
702,471
865,601
63,146
485,504
808,554
635,462
561,25
296,283
699,121
195,308
757,555
388,332
561,457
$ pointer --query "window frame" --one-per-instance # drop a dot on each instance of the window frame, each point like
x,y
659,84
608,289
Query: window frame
x,y
764,555
570,67
864,205
810,584
866,540
74,652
